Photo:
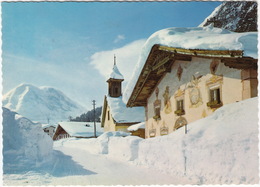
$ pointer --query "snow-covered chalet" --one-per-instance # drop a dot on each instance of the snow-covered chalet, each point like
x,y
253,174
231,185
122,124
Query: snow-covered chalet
x,y
77,130
185,74
49,129
115,115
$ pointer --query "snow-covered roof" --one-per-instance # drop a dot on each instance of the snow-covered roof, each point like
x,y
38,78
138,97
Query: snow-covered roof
x,y
206,38
136,126
47,125
123,114
81,129
115,74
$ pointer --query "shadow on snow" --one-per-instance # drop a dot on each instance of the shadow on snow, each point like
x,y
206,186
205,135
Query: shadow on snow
x,y
60,165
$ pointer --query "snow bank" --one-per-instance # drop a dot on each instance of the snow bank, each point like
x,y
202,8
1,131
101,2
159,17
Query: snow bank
x,y
25,145
125,149
208,38
94,145
220,149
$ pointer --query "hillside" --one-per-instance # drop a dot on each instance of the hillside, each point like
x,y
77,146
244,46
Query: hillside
x,y
44,104
234,16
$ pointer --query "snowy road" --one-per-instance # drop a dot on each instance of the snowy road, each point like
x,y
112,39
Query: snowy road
x,y
74,166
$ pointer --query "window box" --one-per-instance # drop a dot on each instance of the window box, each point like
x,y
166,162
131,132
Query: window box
x,y
214,104
179,112
157,117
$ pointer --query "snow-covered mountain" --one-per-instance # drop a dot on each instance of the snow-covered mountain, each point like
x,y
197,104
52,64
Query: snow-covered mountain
x,y
234,16
43,104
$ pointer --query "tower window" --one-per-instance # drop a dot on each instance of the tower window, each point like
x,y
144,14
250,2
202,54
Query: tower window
x,y
108,115
116,91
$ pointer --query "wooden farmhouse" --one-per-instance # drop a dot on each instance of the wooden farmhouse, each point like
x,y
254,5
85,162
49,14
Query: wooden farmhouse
x,y
115,115
77,130
179,85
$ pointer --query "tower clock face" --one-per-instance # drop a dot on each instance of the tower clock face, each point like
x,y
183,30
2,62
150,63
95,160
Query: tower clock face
x,y
194,96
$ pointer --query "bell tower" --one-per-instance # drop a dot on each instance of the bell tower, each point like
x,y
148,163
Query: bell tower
x,y
115,81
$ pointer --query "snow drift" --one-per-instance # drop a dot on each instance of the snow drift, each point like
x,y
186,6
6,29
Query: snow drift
x,y
25,145
219,149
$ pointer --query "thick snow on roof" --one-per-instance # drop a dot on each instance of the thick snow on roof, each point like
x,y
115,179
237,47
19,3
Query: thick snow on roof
x,y
80,129
47,125
136,126
115,74
122,114
207,38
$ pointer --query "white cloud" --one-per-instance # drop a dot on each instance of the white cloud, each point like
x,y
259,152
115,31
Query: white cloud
x,y
119,38
74,80
126,59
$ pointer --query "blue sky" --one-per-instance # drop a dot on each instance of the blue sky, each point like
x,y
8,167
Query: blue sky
x,y
70,45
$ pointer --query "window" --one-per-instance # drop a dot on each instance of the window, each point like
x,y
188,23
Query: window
x,y
179,108
215,99
108,115
180,105
215,95
116,91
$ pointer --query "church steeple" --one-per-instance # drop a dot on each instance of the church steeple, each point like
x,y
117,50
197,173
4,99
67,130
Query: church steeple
x,y
115,81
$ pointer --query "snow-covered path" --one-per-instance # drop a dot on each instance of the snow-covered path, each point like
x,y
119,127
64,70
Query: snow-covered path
x,y
101,169
75,166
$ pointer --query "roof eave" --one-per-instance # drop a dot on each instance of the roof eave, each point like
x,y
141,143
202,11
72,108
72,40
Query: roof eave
x,y
231,58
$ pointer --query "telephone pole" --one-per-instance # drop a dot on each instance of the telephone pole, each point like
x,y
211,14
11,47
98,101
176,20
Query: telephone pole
x,y
94,103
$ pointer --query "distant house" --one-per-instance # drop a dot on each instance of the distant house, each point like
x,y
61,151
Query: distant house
x,y
49,129
77,130
191,72
137,129
115,115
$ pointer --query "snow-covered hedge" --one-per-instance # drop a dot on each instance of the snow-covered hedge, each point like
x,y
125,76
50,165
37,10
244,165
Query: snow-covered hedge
x,y
25,145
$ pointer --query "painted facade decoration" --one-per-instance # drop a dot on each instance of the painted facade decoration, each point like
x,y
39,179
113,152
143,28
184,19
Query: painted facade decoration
x,y
157,106
167,103
193,85
194,92
164,130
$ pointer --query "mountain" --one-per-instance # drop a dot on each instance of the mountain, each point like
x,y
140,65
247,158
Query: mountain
x,y
43,104
234,16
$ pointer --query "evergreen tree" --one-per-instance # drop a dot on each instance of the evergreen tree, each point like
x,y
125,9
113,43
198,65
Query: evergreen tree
x,y
89,116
